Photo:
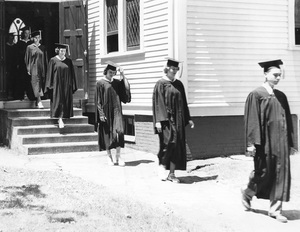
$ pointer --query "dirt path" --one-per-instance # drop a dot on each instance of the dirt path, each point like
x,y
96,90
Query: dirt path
x,y
208,196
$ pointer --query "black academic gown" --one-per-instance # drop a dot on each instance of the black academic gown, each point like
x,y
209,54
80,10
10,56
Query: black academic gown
x,y
108,98
171,110
24,80
60,86
268,125
36,63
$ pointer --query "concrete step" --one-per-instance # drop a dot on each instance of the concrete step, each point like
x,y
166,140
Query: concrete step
x,y
50,129
54,148
31,131
13,113
24,104
29,121
58,138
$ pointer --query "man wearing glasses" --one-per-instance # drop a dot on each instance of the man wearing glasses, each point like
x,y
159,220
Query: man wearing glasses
x,y
268,133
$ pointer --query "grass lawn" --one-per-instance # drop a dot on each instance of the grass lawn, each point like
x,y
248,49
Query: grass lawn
x,y
53,201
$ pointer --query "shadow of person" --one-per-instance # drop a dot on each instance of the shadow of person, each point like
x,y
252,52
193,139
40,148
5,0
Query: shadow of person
x,y
198,167
291,215
260,211
195,179
138,162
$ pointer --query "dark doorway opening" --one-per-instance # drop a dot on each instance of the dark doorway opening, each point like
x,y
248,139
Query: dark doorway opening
x,y
38,16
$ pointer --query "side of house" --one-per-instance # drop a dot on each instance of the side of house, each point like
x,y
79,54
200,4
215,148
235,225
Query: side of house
x,y
225,41
220,44
143,62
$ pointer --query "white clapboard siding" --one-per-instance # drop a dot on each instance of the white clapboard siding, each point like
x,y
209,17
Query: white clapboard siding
x,y
93,44
142,73
225,41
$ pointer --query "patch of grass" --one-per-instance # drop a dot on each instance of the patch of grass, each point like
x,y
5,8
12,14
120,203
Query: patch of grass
x,y
53,201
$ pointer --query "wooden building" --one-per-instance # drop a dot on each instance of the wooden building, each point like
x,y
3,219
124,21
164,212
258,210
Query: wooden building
x,y
219,41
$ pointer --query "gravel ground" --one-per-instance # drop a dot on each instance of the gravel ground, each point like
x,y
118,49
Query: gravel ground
x,y
207,200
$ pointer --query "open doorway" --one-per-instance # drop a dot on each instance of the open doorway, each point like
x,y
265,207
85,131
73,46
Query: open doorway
x,y
38,16
43,16
59,21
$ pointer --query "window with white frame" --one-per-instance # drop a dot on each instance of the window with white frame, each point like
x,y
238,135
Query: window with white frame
x,y
122,25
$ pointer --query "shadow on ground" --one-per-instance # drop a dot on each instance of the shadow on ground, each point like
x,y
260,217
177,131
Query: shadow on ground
x,y
138,162
291,215
19,196
199,167
24,197
194,179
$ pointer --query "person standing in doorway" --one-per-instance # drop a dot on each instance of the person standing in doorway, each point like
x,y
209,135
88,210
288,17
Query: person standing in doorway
x,y
36,63
11,65
25,83
268,133
170,116
110,92
61,84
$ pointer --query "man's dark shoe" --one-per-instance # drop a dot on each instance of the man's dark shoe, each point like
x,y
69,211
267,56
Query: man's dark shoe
x,y
246,201
173,178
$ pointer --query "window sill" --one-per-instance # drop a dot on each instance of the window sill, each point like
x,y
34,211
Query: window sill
x,y
120,56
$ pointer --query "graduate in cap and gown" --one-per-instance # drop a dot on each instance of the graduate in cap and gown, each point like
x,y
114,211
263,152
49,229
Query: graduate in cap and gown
x,y
268,133
61,84
170,116
36,61
110,92
24,84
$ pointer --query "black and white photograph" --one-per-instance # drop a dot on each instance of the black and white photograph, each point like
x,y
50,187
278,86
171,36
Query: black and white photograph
x,y
149,115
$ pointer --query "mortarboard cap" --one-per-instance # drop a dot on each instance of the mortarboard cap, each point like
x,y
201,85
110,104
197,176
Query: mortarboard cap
x,y
272,63
35,33
26,28
65,46
111,65
172,62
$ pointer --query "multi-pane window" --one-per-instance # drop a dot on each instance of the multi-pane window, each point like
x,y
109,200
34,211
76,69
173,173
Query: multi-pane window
x,y
133,24
112,26
122,25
